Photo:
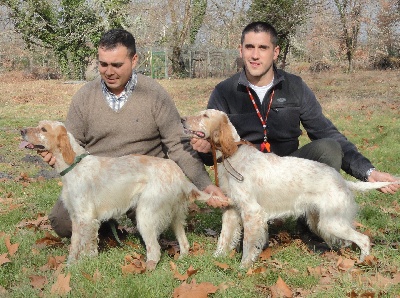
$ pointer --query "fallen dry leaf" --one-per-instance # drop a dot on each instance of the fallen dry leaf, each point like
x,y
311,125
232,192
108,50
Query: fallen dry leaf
x,y
189,272
222,265
358,225
370,261
232,254
280,289
345,264
61,286
38,281
284,237
3,291
4,259
379,280
194,290
53,263
316,271
197,249
42,223
12,248
49,241
396,278
96,276
266,254
9,205
134,263
225,285
257,270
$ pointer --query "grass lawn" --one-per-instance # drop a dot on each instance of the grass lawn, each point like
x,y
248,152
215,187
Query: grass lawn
x,y
364,105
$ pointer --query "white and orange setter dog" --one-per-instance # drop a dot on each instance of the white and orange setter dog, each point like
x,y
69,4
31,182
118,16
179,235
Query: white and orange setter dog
x,y
99,188
266,186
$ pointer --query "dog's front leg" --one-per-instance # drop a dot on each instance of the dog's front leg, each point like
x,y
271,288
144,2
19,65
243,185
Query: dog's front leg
x,y
84,238
231,231
255,233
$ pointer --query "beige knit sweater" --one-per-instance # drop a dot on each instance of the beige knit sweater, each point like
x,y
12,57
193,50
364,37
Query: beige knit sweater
x,y
148,123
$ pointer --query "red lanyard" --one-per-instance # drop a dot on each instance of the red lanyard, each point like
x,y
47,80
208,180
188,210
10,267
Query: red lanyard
x,y
265,145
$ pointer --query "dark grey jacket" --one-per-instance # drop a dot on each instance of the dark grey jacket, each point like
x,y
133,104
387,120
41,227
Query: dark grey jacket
x,y
293,104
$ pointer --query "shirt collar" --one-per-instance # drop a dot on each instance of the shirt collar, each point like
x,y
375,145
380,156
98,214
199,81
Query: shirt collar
x,y
129,87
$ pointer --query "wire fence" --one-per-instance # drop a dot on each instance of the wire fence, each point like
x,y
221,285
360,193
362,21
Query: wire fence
x,y
156,63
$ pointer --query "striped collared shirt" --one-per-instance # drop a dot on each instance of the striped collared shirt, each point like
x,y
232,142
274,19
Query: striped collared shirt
x,y
117,102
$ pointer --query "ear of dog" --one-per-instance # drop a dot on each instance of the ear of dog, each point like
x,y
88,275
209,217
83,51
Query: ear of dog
x,y
226,140
64,145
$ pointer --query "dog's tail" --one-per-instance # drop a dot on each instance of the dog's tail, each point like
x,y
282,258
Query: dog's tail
x,y
366,186
210,199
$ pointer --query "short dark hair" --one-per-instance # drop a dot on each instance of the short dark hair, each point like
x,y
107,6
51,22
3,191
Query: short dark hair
x,y
261,27
114,37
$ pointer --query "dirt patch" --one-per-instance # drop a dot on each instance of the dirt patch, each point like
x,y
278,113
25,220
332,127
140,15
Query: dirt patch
x,y
45,171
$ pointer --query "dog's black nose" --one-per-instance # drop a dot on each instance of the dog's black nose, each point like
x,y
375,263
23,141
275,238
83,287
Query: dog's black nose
x,y
183,120
23,132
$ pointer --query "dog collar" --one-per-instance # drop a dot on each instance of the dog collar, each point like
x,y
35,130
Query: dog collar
x,y
76,161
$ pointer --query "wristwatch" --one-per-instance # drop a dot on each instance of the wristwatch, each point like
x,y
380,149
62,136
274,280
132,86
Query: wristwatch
x,y
368,173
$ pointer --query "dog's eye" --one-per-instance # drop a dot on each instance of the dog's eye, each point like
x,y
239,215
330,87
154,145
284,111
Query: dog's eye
x,y
205,116
43,129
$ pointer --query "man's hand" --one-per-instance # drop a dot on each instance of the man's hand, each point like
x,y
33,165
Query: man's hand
x,y
377,176
200,145
218,199
47,157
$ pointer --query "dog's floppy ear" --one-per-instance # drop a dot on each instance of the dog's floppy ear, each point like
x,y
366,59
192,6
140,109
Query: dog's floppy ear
x,y
64,145
226,140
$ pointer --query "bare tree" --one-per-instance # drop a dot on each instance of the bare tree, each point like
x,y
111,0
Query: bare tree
x,y
388,24
350,14
224,22
317,40
168,23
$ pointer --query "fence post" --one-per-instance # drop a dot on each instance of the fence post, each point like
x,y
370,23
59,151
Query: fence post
x,y
165,64
151,63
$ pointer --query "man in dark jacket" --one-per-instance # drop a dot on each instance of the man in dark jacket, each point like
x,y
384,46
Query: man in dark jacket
x,y
267,105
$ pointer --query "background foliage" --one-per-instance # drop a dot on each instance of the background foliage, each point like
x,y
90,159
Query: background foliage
x,y
346,34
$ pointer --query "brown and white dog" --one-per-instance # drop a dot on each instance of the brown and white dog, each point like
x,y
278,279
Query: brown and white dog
x,y
99,188
265,187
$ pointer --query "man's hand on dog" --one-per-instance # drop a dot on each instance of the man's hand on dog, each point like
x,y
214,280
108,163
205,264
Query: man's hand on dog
x,y
200,145
47,157
382,177
218,199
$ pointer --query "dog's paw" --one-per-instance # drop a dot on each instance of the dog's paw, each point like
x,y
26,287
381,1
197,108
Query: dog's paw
x,y
151,265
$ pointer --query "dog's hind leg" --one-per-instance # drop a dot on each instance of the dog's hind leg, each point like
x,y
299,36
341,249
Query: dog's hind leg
x,y
178,226
231,232
149,228
312,218
338,229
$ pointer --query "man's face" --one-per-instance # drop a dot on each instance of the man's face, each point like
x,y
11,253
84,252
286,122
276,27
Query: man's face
x,y
115,67
258,54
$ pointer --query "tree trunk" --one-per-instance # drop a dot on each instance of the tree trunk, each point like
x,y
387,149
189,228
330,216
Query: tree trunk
x,y
178,66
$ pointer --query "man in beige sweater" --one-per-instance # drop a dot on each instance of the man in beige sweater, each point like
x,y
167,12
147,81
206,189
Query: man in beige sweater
x,y
123,112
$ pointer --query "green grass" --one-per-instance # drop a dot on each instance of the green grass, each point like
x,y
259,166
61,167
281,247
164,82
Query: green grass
x,y
366,111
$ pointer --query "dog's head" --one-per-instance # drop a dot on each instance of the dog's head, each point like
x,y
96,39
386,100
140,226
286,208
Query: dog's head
x,y
48,136
214,125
